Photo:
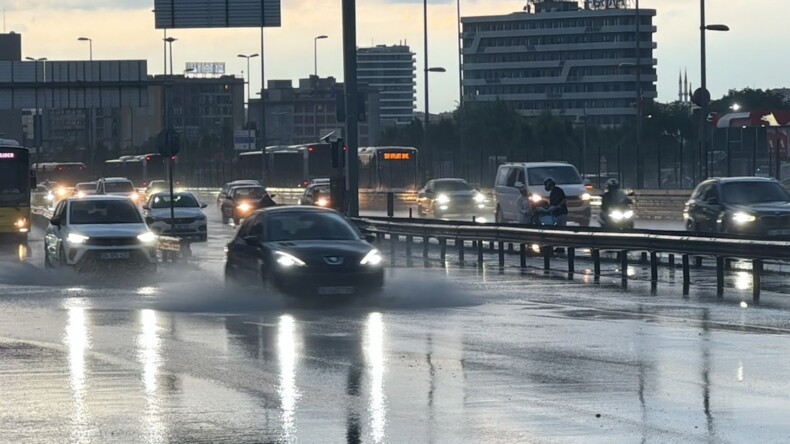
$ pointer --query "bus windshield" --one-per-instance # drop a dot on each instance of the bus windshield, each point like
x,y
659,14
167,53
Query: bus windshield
x,y
14,173
398,170
319,161
286,170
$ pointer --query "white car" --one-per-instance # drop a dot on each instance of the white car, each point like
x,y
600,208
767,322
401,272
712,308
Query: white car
x,y
190,221
117,186
93,232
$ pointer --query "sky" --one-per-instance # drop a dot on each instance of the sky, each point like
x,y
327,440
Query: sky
x,y
753,54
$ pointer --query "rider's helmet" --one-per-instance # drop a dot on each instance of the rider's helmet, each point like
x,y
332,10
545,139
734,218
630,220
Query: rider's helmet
x,y
612,185
549,183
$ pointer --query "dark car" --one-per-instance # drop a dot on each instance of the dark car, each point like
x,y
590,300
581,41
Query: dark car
x,y
304,251
443,197
223,192
241,201
739,205
316,194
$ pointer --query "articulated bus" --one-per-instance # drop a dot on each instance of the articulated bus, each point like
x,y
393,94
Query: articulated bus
x,y
286,166
388,169
141,169
65,174
15,182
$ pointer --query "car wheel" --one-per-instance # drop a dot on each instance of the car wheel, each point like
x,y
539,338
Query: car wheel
x,y
225,218
61,257
691,226
236,221
47,262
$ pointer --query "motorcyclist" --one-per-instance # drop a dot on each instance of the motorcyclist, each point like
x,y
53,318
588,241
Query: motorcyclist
x,y
613,199
524,205
558,202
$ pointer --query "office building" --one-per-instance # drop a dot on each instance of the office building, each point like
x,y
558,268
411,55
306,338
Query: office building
x,y
391,70
308,112
572,59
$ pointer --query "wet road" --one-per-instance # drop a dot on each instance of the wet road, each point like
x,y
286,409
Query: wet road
x,y
445,355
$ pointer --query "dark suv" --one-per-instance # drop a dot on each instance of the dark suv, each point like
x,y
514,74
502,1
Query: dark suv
x,y
739,205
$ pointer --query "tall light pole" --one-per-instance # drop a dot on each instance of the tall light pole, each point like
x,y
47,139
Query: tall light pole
x,y
249,76
36,119
90,45
704,87
315,52
170,41
428,115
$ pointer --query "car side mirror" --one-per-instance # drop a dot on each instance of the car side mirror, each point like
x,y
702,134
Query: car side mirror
x,y
203,205
252,241
146,207
713,201
56,221
272,196
370,238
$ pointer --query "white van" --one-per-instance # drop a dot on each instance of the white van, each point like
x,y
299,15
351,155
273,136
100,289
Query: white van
x,y
533,175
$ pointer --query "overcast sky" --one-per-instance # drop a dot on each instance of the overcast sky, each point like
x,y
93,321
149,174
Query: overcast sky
x,y
755,53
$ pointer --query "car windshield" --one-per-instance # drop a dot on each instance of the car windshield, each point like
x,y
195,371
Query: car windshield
x,y
563,175
179,201
298,226
448,186
753,192
118,187
86,186
158,184
248,193
103,212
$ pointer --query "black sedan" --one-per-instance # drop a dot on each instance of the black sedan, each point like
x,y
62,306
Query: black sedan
x,y
241,201
444,197
304,251
739,205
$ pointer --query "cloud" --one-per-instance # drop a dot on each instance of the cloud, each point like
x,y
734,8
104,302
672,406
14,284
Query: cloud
x,y
84,5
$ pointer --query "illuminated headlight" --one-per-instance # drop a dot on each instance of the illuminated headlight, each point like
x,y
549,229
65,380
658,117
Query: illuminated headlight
x,y
741,218
80,194
21,222
50,197
322,202
286,260
535,248
146,237
373,258
444,207
586,197
537,198
442,199
76,239
617,215
481,220
61,192
479,198
244,207
628,214
134,196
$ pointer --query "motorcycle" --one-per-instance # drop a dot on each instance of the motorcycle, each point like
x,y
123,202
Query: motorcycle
x,y
617,218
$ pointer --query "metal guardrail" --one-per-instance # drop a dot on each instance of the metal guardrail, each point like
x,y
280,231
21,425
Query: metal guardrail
x,y
653,242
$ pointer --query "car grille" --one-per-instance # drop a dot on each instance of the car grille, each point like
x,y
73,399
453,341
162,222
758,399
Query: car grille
x,y
182,220
112,241
775,221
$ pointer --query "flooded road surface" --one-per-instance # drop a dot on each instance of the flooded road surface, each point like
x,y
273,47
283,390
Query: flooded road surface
x,y
444,355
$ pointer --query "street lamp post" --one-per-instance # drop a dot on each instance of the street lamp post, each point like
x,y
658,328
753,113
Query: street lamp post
x,y
36,119
170,41
315,52
704,87
249,76
90,45
427,113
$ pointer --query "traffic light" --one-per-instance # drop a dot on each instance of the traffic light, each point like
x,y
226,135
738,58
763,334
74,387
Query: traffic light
x,y
338,151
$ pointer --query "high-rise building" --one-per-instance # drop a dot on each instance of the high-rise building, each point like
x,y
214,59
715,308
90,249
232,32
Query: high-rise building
x,y
577,60
392,71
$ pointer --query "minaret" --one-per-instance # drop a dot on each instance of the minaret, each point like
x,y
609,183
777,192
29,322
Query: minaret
x,y
680,86
688,87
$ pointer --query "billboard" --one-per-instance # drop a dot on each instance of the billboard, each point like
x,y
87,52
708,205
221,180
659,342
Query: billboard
x,y
206,68
243,140
174,14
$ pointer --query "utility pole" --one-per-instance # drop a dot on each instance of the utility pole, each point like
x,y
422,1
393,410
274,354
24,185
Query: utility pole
x,y
352,113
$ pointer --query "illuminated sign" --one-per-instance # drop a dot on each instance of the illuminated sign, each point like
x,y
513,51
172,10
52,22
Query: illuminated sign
x,y
206,68
7,156
397,156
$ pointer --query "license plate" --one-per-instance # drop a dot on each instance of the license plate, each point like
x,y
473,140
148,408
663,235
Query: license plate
x,y
114,256
336,290
779,232
182,227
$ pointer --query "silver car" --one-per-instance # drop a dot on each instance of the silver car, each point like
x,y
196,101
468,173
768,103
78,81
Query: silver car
x,y
190,221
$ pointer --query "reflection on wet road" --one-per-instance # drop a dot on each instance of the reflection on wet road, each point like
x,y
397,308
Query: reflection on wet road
x,y
445,355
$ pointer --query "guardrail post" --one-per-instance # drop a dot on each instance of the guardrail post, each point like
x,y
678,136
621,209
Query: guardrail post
x,y
379,237
461,250
409,241
501,255
491,245
671,261
443,250
510,247
698,263
571,262
410,212
757,275
643,257
547,252
425,246
719,276
390,204
654,268
393,241
624,267
686,275
596,257
479,254
523,254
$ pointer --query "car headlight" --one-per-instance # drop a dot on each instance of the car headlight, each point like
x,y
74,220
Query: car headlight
x,y
244,207
479,198
287,260
586,197
628,214
50,197
61,192
442,199
373,258
134,196
146,237
21,223
80,194
742,218
537,198
76,239
322,202
617,215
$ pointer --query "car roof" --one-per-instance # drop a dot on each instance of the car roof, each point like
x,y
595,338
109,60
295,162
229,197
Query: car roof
x,y
743,179
449,179
535,164
86,183
98,197
115,179
296,209
175,193
244,181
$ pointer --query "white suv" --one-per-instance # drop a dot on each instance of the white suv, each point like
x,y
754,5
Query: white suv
x,y
94,231
533,175
117,186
